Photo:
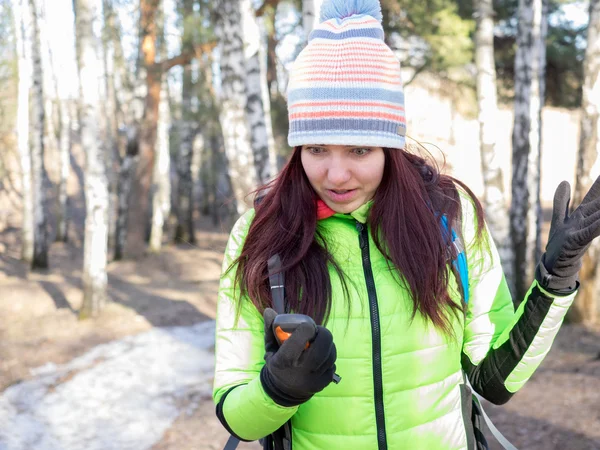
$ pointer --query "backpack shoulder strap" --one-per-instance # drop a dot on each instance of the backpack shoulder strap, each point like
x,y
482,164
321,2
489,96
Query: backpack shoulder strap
x,y
478,403
277,283
281,439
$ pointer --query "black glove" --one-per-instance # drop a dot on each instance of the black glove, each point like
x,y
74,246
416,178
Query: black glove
x,y
570,236
293,373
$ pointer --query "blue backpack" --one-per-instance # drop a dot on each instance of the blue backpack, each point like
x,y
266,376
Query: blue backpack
x,y
460,262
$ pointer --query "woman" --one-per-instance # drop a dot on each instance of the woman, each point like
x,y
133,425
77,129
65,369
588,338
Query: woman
x,y
362,228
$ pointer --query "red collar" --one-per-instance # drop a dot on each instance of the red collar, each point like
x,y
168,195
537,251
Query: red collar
x,y
323,211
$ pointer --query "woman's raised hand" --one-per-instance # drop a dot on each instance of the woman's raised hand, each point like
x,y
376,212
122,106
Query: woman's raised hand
x,y
570,236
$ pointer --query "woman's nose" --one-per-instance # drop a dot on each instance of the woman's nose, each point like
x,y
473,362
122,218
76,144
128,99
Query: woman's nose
x,y
338,173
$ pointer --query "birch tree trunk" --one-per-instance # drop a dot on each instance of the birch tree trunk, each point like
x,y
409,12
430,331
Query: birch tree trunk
x,y
311,10
110,111
50,133
65,152
51,97
258,108
108,59
122,86
40,240
586,307
96,183
268,22
525,213
161,176
223,208
124,185
238,147
63,141
161,198
198,156
208,180
494,197
274,93
124,166
23,43
266,101
184,231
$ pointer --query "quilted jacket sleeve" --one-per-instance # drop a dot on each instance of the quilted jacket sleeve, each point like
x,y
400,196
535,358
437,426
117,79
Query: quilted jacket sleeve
x,y
503,347
242,405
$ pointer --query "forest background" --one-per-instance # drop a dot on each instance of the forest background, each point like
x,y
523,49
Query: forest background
x,y
132,132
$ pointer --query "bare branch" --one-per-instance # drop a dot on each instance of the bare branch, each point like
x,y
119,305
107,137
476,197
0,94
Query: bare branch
x,y
418,70
186,57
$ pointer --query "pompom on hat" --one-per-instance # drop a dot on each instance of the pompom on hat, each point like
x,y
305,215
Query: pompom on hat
x,y
345,87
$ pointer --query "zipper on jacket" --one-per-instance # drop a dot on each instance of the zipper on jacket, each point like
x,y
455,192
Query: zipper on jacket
x,y
375,335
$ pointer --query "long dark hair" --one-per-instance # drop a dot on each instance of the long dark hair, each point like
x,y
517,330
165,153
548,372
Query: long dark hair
x,y
404,222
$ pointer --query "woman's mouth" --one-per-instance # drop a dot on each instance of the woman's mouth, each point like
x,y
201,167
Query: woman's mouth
x,y
341,195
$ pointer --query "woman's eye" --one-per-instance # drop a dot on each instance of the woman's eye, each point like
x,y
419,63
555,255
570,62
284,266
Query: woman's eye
x,y
361,151
315,150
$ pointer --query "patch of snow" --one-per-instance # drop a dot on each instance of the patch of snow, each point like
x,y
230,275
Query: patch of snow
x,y
122,395
45,369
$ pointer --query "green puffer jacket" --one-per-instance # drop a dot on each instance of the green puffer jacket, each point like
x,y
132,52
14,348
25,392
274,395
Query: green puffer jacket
x,y
403,381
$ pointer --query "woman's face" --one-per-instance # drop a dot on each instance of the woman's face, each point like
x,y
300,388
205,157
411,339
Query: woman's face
x,y
344,177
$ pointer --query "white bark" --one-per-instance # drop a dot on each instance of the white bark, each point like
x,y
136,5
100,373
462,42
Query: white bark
x,y
161,198
65,152
588,163
258,107
529,98
51,143
311,10
586,306
51,95
495,204
96,183
120,94
238,148
121,77
40,240
58,120
23,44
266,99
109,102
61,140
109,110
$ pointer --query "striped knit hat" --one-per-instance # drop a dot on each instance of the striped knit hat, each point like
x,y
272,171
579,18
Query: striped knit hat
x,y
345,86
